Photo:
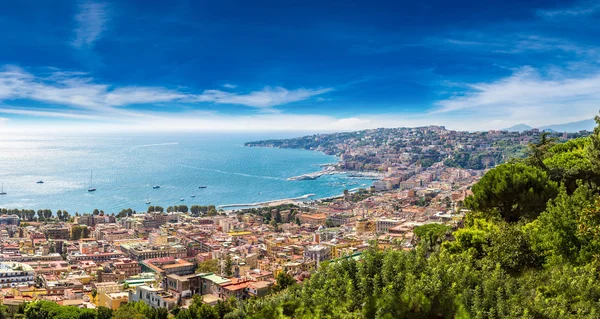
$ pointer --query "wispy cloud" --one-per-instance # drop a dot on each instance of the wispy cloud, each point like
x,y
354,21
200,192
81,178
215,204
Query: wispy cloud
x,y
77,90
584,8
264,99
514,43
91,22
528,95
51,114
229,86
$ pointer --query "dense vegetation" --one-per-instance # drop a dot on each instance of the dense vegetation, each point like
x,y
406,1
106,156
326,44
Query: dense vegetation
x,y
530,248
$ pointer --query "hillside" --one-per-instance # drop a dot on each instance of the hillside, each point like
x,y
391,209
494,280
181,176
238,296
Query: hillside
x,y
377,149
529,248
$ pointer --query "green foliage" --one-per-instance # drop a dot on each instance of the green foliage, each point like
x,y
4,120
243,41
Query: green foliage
x,y
513,191
569,163
211,265
432,233
48,309
197,210
555,234
104,313
79,231
284,280
228,269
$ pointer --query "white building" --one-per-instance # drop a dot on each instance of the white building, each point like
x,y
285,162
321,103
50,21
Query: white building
x,y
14,274
153,297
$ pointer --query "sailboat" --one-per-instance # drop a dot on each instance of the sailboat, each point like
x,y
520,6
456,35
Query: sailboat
x,y
2,190
148,200
92,188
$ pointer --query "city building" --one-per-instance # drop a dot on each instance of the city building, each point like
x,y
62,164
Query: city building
x,y
14,274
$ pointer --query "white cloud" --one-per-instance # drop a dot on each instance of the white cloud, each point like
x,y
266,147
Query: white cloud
x,y
91,22
76,90
266,98
141,95
229,86
527,97
51,114
583,8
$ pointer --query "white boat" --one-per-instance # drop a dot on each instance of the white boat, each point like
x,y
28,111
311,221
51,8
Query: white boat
x,y
193,195
92,188
182,199
2,190
156,186
148,200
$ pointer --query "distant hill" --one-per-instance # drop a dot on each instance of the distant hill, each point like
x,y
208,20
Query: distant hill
x,y
566,127
518,128
572,127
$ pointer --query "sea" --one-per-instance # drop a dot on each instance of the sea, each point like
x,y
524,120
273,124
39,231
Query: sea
x,y
124,170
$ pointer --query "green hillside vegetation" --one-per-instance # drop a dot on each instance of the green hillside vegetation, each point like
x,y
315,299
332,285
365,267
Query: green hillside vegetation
x,y
530,248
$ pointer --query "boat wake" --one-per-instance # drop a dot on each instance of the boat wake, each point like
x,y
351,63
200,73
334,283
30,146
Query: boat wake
x,y
231,173
150,145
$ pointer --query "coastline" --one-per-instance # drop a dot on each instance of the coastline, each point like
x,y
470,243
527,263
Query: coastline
x,y
327,169
270,203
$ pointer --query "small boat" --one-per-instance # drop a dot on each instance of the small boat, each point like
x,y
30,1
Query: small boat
x,y
40,182
2,190
202,186
193,195
182,199
92,188
148,200
156,186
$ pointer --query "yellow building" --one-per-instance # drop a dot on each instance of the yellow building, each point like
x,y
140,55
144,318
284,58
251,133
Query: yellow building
x,y
28,291
113,300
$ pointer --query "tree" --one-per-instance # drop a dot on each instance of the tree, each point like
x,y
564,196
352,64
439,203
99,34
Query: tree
x,y
228,266
512,192
211,265
284,280
540,151
570,164
509,247
432,233
96,212
85,232
104,313
76,232
127,312
278,217
555,234
593,148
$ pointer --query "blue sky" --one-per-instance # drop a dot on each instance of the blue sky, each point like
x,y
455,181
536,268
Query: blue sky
x,y
296,65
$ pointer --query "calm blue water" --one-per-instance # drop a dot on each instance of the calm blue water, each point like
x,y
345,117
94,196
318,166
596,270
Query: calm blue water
x,y
126,168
